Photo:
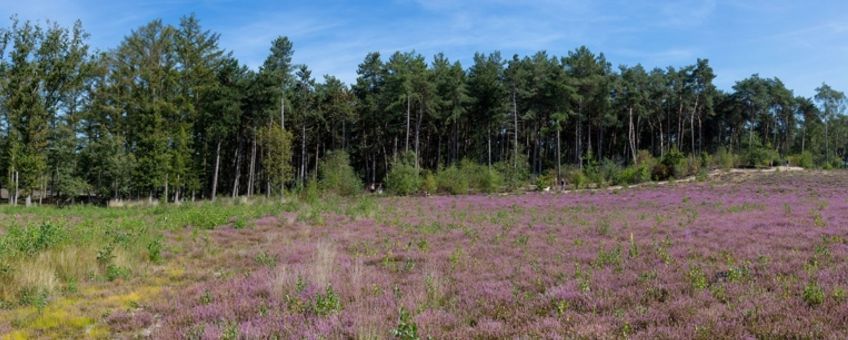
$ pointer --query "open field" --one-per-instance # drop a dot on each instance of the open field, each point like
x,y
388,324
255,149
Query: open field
x,y
761,256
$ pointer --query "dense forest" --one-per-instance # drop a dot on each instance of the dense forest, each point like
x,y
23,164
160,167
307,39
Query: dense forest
x,y
170,114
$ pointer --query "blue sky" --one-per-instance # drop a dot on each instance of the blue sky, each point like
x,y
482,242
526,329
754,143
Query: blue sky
x,y
802,42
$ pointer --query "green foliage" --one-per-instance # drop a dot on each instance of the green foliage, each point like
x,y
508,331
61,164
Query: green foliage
x,y
577,178
452,180
813,294
632,174
804,160
276,162
697,278
673,164
429,183
406,328
154,250
514,172
337,176
30,240
403,178
327,303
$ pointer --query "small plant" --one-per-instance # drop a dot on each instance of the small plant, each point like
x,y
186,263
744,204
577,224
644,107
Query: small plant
x,y
206,297
561,307
231,332
114,272
154,251
239,223
634,249
265,259
406,328
603,227
327,303
813,294
697,279
105,255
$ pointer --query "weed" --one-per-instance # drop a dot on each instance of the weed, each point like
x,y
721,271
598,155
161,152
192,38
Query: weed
x,y
406,328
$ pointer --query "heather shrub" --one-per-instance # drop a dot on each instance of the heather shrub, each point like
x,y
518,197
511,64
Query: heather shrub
x,y
403,178
337,176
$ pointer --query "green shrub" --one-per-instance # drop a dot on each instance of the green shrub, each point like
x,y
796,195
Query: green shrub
x,y
406,328
813,294
30,240
577,178
337,176
724,159
403,178
429,183
759,156
673,164
481,178
327,303
632,175
645,158
514,172
452,180
546,180
804,160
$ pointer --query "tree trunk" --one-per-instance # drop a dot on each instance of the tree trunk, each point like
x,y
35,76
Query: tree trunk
x,y
215,173
237,177
407,123
632,136
165,198
317,146
559,159
489,144
251,177
515,132
17,186
418,134
177,192
303,154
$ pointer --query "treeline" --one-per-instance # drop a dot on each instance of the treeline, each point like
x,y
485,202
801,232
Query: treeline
x,y
170,114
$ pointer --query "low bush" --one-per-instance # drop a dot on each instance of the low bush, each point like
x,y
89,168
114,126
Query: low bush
x,y
337,176
429,183
452,180
804,160
403,178
514,172
724,159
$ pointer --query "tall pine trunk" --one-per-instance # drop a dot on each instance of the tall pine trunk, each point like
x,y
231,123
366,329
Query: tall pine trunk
x,y
215,174
251,177
237,178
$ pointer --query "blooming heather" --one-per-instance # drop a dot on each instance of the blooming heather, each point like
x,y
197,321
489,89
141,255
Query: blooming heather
x,y
726,259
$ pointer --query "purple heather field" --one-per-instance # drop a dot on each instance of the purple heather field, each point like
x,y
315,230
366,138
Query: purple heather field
x,y
752,257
